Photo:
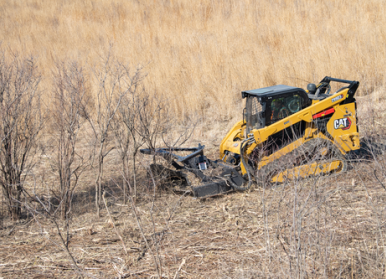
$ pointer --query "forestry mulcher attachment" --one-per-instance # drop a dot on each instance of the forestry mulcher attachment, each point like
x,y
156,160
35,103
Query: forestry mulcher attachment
x,y
286,133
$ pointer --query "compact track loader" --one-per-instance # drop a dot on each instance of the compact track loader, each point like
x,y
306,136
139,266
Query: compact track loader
x,y
286,133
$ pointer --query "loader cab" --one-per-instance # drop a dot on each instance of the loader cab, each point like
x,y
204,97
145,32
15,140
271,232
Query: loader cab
x,y
265,106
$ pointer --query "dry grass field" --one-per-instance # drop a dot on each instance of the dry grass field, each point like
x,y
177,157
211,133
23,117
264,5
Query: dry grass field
x,y
197,57
200,55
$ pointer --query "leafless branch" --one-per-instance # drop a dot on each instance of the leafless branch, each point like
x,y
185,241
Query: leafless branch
x,y
20,124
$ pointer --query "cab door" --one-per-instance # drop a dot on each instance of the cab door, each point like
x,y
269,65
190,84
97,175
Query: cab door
x,y
278,108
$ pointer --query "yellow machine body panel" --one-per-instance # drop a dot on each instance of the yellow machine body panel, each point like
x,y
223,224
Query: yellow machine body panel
x,y
231,142
343,127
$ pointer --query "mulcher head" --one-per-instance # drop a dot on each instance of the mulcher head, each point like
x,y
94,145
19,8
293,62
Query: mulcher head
x,y
216,177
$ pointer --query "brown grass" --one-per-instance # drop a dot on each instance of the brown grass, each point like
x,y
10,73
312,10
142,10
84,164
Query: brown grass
x,y
200,55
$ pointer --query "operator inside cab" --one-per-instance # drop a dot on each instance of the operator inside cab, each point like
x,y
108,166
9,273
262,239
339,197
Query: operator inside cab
x,y
279,109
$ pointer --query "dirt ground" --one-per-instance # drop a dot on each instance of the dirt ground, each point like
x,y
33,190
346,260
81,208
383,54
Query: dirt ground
x,y
324,227
328,226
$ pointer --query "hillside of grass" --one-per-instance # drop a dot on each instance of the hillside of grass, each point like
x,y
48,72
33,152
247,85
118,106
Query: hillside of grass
x,y
200,55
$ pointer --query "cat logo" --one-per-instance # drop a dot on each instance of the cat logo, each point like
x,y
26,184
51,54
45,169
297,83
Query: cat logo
x,y
343,123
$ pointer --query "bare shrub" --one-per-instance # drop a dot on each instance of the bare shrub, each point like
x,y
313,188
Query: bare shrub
x,y
109,96
142,120
151,120
70,100
20,124
125,125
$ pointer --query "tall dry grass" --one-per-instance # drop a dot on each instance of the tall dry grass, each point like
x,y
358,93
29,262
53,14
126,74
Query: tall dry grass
x,y
201,54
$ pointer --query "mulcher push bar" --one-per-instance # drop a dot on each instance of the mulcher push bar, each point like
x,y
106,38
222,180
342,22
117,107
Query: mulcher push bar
x,y
167,152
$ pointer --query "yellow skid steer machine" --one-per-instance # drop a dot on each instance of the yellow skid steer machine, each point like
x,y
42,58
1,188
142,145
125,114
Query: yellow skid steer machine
x,y
286,133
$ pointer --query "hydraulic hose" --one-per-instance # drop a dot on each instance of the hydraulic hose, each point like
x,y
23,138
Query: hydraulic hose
x,y
243,146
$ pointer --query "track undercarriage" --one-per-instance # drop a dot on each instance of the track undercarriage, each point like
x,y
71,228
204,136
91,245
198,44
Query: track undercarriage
x,y
313,158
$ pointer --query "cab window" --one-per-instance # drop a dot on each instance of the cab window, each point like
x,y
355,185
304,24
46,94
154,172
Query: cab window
x,y
254,113
281,107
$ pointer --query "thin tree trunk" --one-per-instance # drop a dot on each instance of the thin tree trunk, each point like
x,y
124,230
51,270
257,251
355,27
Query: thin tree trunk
x,y
135,180
98,181
96,198
97,192
15,210
15,200
124,184
100,187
